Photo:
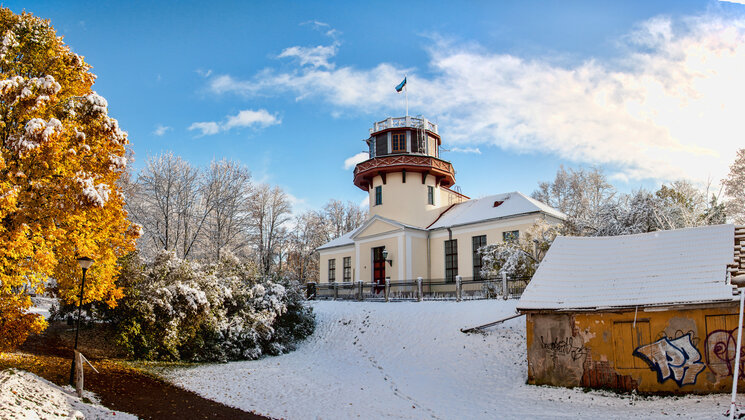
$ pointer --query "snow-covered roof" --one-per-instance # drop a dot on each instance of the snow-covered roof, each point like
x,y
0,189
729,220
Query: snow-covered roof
x,y
648,269
470,211
482,209
345,239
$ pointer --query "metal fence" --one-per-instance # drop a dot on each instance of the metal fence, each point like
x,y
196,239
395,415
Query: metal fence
x,y
462,288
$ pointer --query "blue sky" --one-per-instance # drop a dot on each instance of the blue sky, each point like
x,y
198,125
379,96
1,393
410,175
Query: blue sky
x,y
650,91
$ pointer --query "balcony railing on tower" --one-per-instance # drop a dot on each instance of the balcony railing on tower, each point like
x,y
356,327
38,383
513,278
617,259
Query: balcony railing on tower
x,y
400,122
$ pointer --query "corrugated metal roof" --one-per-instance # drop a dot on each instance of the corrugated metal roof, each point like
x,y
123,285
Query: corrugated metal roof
x,y
649,269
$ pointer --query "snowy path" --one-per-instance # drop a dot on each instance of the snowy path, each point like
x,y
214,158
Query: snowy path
x,y
409,360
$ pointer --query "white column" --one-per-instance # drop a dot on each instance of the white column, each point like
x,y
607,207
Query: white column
x,y
401,261
409,258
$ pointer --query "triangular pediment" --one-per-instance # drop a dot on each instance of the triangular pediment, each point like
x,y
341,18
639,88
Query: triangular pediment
x,y
377,225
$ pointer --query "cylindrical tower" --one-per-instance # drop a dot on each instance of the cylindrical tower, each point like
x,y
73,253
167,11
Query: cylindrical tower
x,y
405,178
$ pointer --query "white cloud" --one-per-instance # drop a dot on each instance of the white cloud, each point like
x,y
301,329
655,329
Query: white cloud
x,y
161,130
246,118
207,128
317,56
352,161
323,28
669,106
474,150
365,202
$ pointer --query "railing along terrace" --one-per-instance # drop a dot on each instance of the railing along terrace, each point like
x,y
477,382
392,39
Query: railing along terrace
x,y
461,288
413,122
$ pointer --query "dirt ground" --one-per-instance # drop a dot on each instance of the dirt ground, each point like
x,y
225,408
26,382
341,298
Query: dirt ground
x,y
118,386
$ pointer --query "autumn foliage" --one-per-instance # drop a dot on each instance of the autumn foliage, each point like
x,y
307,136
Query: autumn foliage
x,y
60,158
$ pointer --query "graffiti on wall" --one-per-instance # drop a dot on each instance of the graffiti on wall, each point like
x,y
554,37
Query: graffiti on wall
x,y
676,359
720,348
680,333
564,347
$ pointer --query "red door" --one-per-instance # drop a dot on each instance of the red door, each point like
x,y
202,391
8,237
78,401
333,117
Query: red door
x,y
378,269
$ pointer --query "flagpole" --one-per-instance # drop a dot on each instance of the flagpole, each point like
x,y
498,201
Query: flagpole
x,y
406,93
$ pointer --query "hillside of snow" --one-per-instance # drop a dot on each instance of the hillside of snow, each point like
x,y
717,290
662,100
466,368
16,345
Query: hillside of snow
x,y
24,395
409,360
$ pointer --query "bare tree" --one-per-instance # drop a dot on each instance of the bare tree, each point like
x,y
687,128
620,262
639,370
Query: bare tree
x,y
228,186
734,189
342,218
269,210
309,233
577,193
168,203
313,229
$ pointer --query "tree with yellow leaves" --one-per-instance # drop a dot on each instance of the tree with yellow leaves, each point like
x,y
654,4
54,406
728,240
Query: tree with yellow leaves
x,y
60,158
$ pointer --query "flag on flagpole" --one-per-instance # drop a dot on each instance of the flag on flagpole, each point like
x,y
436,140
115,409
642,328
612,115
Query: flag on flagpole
x,y
400,86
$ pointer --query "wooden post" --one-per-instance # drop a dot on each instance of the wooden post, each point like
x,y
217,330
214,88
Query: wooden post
x,y
418,289
505,292
387,288
79,374
458,289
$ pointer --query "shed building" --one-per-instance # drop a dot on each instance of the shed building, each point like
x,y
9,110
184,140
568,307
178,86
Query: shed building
x,y
652,312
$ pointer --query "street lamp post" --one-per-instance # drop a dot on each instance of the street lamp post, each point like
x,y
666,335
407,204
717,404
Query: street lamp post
x,y
85,263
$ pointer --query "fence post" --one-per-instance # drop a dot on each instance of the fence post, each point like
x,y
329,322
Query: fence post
x,y
310,291
360,293
79,374
418,289
505,292
458,288
336,291
387,288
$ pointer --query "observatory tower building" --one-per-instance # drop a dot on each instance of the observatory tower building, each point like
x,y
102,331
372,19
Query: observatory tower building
x,y
419,225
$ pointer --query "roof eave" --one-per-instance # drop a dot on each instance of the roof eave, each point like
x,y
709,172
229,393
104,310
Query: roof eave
x,y
646,307
492,219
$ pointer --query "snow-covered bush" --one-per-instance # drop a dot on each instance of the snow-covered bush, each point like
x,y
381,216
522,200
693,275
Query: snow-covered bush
x,y
176,309
520,257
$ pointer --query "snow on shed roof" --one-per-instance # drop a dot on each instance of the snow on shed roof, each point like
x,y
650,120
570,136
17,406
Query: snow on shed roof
x,y
648,269
481,209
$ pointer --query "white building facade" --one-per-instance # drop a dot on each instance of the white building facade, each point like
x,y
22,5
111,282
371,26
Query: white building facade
x,y
418,226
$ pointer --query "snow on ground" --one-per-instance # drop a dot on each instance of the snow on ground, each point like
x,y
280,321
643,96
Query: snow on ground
x,y
24,395
409,360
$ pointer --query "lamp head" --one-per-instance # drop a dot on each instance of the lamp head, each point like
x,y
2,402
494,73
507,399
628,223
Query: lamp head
x,y
85,262
385,254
